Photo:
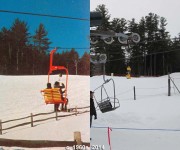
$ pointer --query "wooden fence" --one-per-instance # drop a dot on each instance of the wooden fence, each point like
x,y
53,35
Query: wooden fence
x,y
32,120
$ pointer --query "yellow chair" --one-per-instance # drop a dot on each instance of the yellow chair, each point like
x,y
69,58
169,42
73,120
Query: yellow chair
x,y
53,96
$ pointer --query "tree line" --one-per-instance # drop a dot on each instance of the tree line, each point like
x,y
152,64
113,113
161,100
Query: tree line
x,y
156,54
24,54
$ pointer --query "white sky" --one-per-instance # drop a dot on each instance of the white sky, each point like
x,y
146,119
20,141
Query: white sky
x,y
128,9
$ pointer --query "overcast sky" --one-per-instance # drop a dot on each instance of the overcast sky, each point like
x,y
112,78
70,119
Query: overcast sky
x,y
128,9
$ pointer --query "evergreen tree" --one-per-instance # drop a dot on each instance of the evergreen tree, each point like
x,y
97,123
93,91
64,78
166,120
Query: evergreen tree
x,y
40,39
84,65
151,35
175,55
116,54
73,59
19,36
162,60
41,44
105,17
6,51
143,43
135,63
101,47
119,25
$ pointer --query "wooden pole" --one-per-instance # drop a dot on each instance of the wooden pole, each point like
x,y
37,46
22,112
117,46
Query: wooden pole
x,y
134,93
0,127
56,115
76,110
77,138
169,85
31,120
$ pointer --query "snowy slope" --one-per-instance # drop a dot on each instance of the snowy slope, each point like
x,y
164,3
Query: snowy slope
x,y
20,96
152,121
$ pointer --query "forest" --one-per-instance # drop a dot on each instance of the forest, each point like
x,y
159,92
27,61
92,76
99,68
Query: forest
x,y
156,54
24,54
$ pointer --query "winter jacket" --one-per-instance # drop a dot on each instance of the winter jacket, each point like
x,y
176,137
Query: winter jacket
x,y
92,108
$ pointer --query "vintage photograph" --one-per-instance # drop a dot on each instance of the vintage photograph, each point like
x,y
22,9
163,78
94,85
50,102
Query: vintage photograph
x,y
44,74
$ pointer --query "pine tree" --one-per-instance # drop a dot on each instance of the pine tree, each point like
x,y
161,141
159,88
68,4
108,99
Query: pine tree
x,y
142,44
40,39
105,17
41,44
6,50
175,55
151,35
101,47
116,54
135,63
162,45
19,36
73,59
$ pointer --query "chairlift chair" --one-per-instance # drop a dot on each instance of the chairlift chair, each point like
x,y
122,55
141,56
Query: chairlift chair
x,y
50,95
108,103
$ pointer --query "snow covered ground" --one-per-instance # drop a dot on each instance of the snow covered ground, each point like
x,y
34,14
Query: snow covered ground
x,y
152,121
20,96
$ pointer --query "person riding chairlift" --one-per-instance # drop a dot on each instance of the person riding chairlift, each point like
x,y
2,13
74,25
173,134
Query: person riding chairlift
x,y
57,85
49,86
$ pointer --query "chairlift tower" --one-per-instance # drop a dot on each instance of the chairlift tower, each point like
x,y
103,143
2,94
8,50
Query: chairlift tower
x,y
108,103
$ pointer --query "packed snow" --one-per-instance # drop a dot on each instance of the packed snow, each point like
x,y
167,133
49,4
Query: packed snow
x,y
152,121
20,96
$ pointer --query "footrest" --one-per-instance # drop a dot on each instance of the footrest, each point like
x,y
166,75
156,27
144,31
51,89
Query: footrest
x,y
105,106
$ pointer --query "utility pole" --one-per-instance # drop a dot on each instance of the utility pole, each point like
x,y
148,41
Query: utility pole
x,y
76,66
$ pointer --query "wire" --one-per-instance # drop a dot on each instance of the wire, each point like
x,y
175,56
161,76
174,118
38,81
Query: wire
x,y
58,47
144,55
44,15
71,48
140,129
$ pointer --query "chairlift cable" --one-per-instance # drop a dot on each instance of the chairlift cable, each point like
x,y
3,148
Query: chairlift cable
x,y
44,15
144,55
